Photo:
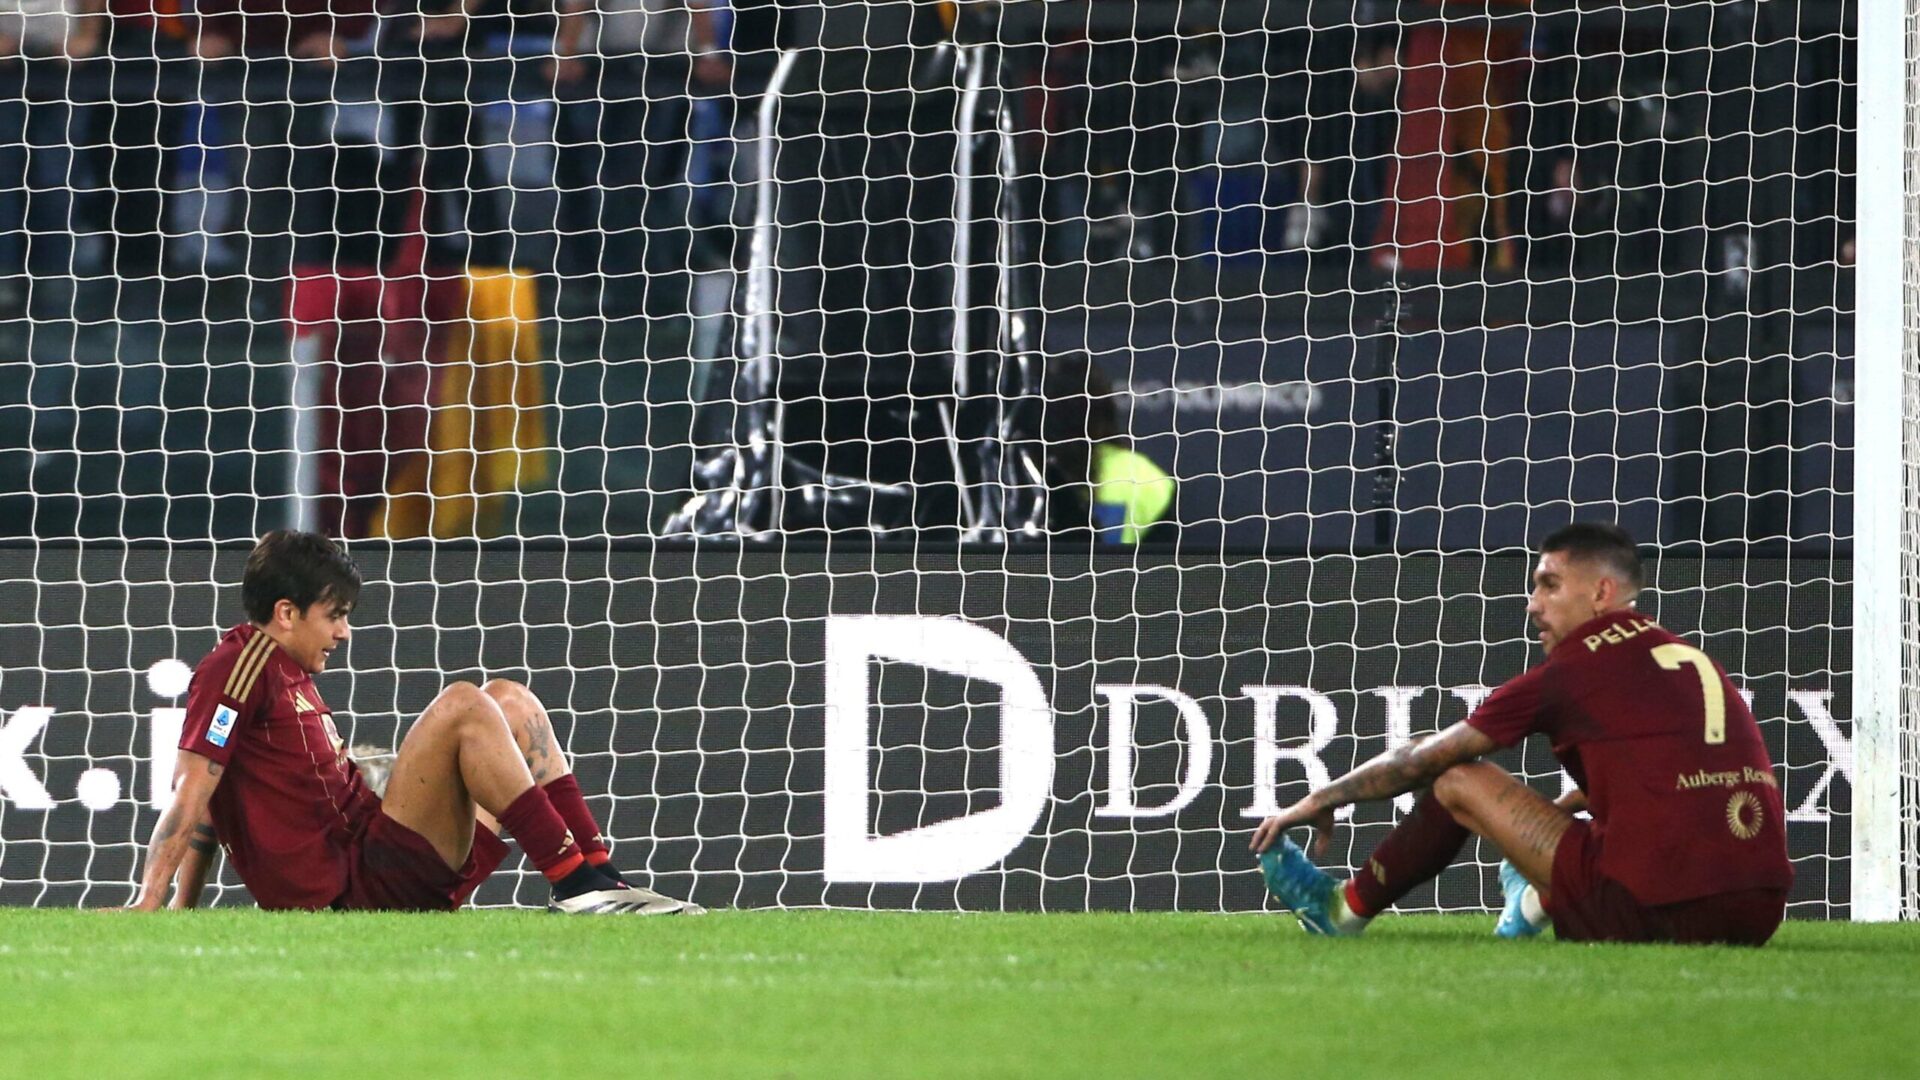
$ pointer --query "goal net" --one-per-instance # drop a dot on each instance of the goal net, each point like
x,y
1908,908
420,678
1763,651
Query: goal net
x,y
1894,545
976,456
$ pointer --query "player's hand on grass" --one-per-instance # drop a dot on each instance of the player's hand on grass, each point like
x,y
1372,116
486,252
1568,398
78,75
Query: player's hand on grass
x,y
1305,812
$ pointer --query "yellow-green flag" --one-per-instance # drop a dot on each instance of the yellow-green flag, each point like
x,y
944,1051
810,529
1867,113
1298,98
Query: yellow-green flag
x,y
488,432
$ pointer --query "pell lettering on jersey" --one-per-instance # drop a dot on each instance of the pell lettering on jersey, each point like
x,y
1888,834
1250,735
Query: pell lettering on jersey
x,y
1617,634
222,727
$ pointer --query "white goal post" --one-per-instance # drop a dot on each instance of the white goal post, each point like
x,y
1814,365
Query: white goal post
x,y
1886,605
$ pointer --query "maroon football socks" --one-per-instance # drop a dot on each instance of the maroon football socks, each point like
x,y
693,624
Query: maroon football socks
x,y
564,792
565,795
542,832
1424,843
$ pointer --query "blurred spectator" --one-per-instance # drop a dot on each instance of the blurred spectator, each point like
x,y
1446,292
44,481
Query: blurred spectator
x,y
460,357
355,328
467,218
755,34
225,191
128,140
303,29
34,155
1450,205
49,29
628,72
478,28
1352,120
1113,146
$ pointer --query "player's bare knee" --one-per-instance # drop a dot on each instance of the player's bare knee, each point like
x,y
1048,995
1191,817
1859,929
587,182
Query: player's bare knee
x,y
461,706
456,697
442,713
514,699
526,717
532,730
504,689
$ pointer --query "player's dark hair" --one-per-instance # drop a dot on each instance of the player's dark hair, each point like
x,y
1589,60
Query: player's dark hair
x,y
1593,541
301,567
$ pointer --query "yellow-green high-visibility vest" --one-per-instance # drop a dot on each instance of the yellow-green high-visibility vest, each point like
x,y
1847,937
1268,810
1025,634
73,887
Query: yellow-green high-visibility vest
x,y
1130,493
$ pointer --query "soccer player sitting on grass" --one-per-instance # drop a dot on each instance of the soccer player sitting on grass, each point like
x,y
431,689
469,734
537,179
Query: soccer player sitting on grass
x,y
1686,841
263,772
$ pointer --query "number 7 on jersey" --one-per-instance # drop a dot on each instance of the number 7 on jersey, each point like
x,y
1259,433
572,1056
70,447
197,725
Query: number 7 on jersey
x,y
1673,656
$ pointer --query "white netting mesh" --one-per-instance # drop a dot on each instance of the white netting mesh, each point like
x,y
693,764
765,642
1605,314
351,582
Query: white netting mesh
x,y
650,368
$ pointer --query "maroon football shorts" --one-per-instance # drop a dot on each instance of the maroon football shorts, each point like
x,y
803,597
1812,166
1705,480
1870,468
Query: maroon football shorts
x,y
393,868
1589,906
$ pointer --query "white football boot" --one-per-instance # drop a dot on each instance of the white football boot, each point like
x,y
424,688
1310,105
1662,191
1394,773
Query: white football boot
x,y
630,900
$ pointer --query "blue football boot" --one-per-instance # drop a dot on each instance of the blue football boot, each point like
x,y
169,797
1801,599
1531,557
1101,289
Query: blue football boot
x,y
1513,920
1304,888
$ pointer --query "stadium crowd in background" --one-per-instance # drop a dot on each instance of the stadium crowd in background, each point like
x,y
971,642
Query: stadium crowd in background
x,y
1416,147
627,73
404,242
34,150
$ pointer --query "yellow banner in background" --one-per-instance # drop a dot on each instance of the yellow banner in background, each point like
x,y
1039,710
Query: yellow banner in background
x,y
488,433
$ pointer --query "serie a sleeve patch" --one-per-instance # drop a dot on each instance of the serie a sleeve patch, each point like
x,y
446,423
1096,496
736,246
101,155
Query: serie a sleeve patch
x,y
222,726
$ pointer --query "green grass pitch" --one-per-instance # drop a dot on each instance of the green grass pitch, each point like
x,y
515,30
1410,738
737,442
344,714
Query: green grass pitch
x,y
848,994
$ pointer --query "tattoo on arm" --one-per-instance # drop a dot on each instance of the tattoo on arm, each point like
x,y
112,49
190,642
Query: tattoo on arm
x,y
1399,770
166,830
180,831
1406,768
203,839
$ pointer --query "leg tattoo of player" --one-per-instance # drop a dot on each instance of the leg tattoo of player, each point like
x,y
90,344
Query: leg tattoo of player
x,y
541,754
532,731
1536,823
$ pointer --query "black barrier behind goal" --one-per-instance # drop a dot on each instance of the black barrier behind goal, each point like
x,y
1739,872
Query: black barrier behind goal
x,y
861,730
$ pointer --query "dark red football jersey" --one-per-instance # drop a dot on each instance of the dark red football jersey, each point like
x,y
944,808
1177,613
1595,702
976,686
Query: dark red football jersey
x,y
1682,792
290,800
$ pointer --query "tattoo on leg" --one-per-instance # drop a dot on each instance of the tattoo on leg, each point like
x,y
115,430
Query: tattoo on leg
x,y
1536,823
540,750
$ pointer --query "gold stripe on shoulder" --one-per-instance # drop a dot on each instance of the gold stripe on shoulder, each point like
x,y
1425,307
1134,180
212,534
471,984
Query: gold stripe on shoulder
x,y
255,668
241,662
246,676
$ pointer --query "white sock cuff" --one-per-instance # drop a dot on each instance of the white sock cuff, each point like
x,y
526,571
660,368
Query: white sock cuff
x,y
1344,916
1530,907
